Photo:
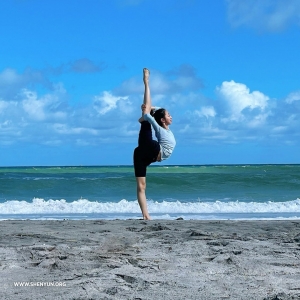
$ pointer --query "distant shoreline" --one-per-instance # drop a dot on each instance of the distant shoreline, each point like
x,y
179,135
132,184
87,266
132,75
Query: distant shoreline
x,y
151,166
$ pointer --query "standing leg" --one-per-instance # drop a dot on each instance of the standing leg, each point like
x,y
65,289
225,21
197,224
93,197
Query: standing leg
x,y
141,195
141,177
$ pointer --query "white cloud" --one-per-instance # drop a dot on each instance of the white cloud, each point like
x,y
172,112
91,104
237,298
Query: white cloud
x,y
264,15
295,96
33,106
238,97
258,120
47,106
238,114
206,111
106,102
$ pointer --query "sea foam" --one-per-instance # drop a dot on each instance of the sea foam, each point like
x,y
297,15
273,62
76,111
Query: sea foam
x,y
84,206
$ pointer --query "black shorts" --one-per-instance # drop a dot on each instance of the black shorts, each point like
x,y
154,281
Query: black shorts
x,y
147,151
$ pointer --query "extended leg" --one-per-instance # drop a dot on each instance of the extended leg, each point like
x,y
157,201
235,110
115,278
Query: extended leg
x,y
141,195
147,97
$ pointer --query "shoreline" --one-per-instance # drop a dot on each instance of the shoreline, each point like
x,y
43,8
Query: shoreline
x,y
158,259
207,217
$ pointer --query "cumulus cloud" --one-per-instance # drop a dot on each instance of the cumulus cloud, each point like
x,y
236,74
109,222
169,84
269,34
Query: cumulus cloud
x,y
106,102
19,118
47,106
34,107
239,98
46,116
207,112
264,15
236,114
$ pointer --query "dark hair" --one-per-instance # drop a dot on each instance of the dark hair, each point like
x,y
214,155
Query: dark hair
x,y
158,115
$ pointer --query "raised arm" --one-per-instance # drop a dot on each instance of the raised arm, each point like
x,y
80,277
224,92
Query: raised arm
x,y
152,121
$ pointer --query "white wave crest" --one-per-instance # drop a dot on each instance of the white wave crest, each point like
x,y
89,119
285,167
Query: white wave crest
x,y
41,206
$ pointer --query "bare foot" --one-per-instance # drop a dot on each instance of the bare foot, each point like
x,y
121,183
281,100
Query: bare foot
x,y
146,75
147,217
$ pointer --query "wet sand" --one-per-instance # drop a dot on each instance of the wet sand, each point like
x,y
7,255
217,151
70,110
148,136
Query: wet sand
x,y
135,259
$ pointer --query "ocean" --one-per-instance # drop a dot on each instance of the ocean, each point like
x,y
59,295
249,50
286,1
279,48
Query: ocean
x,y
203,192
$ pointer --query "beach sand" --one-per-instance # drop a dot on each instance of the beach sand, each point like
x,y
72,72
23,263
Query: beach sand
x,y
135,259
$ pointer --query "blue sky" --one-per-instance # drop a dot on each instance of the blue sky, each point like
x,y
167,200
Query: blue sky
x,y
71,79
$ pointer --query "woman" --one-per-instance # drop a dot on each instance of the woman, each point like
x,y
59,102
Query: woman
x,y
149,150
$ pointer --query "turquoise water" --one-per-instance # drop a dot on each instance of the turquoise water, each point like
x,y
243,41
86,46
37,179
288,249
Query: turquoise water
x,y
194,192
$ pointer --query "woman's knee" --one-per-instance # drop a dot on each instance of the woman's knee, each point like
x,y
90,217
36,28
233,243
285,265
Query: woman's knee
x,y
141,184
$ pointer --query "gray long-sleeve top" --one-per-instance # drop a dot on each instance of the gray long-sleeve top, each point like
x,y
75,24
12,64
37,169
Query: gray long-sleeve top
x,y
164,137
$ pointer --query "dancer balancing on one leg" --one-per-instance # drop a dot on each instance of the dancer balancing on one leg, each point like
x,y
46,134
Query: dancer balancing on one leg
x,y
149,150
